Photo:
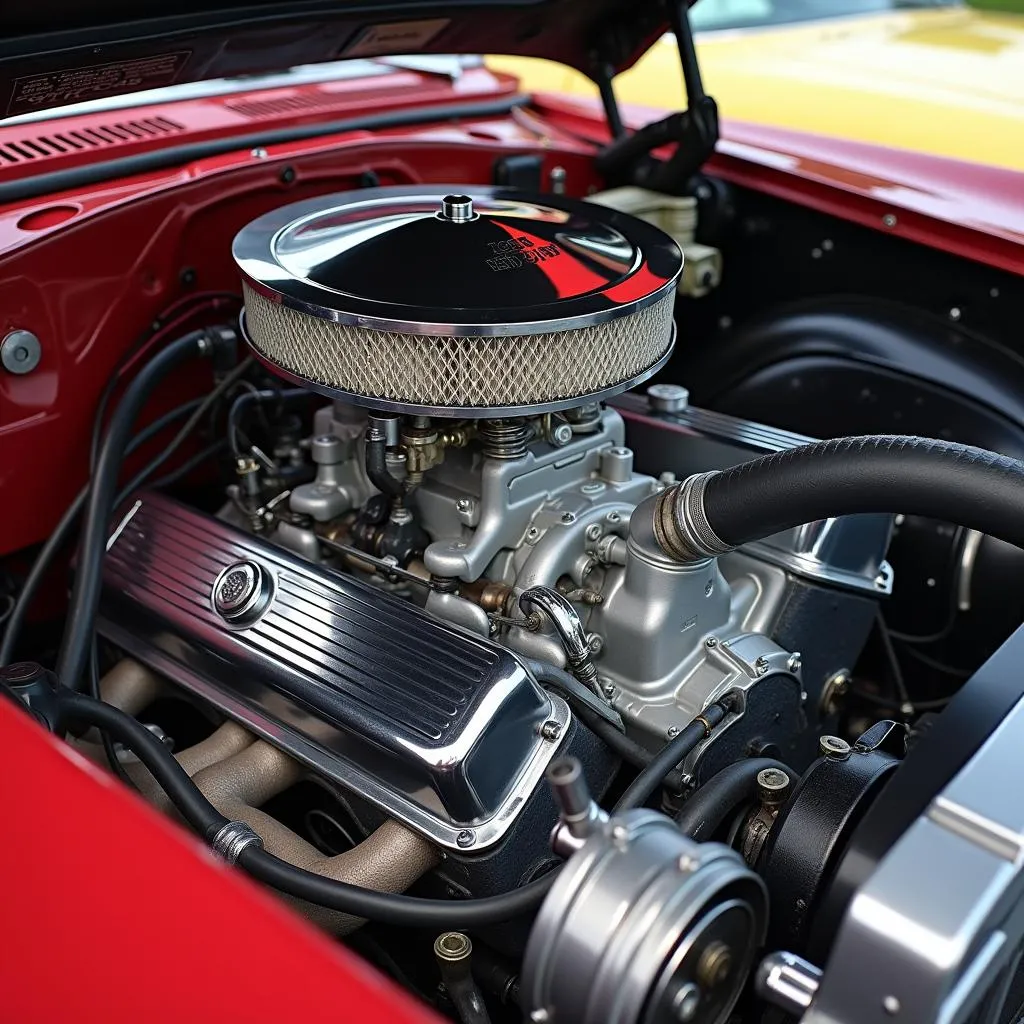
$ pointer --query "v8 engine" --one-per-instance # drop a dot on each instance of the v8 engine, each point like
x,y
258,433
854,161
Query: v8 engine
x,y
486,622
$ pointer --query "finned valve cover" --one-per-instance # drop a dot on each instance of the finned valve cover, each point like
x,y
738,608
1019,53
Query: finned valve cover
x,y
436,302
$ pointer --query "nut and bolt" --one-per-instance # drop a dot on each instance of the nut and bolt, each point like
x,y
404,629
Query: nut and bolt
x,y
686,1003
452,947
834,747
551,730
672,732
593,531
714,965
836,687
711,643
561,434
761,665
463,505
568,518
794,662
465,838
772,784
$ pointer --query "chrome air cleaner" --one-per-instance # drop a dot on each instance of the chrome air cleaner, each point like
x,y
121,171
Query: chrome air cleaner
x,y
432,301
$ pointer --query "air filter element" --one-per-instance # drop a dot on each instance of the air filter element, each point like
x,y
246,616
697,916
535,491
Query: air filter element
x,y
489,303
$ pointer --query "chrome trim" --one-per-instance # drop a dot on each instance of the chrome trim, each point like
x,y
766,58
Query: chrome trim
x,y
256,252
362,687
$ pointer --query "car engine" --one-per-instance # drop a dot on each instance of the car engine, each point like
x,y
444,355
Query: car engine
x,y
500,620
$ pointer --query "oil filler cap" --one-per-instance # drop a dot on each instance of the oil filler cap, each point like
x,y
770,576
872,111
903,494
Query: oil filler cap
x,y
242,592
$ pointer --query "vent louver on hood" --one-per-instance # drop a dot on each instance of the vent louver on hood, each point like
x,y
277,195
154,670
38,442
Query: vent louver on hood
x,y
57,143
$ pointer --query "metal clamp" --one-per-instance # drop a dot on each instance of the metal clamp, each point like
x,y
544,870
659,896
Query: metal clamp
x,y
232,839
681,525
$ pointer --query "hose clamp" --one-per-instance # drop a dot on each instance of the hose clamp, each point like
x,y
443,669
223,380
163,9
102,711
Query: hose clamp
x,y
232,839
681,525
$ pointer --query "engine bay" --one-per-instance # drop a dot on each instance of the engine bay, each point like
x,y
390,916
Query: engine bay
x,y
470,629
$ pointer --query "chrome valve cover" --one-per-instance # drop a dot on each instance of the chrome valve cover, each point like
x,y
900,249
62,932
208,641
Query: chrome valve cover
x,y
445,731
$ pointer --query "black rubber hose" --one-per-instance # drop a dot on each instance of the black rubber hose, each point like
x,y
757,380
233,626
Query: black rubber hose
x,y
389,908
205,819
239,405
80,709
62,530
81,616
912,475
599,720
377,467
670,755
736,784
578,695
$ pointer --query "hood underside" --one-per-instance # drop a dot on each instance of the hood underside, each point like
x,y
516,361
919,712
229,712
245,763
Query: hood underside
x,y
55,52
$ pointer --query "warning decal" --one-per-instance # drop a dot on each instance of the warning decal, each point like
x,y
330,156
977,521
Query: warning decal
x,y
75,85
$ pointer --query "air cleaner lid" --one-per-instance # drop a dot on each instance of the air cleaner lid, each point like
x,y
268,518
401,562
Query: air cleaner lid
x,y
450,262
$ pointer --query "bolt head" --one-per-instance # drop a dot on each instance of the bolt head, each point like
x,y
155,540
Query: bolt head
x,y
609,690
686,1003
593,531
772,785
562,434
834,747
714,964
711,643
613,517
890,220
463,505
595,642
465,838
620,834
794,662
551,730
891,1005
540,1015
568,517
761,666
672,732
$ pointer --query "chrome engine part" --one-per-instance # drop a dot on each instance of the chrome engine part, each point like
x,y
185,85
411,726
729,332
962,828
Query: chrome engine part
x,y
395,705
505,287
643,924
